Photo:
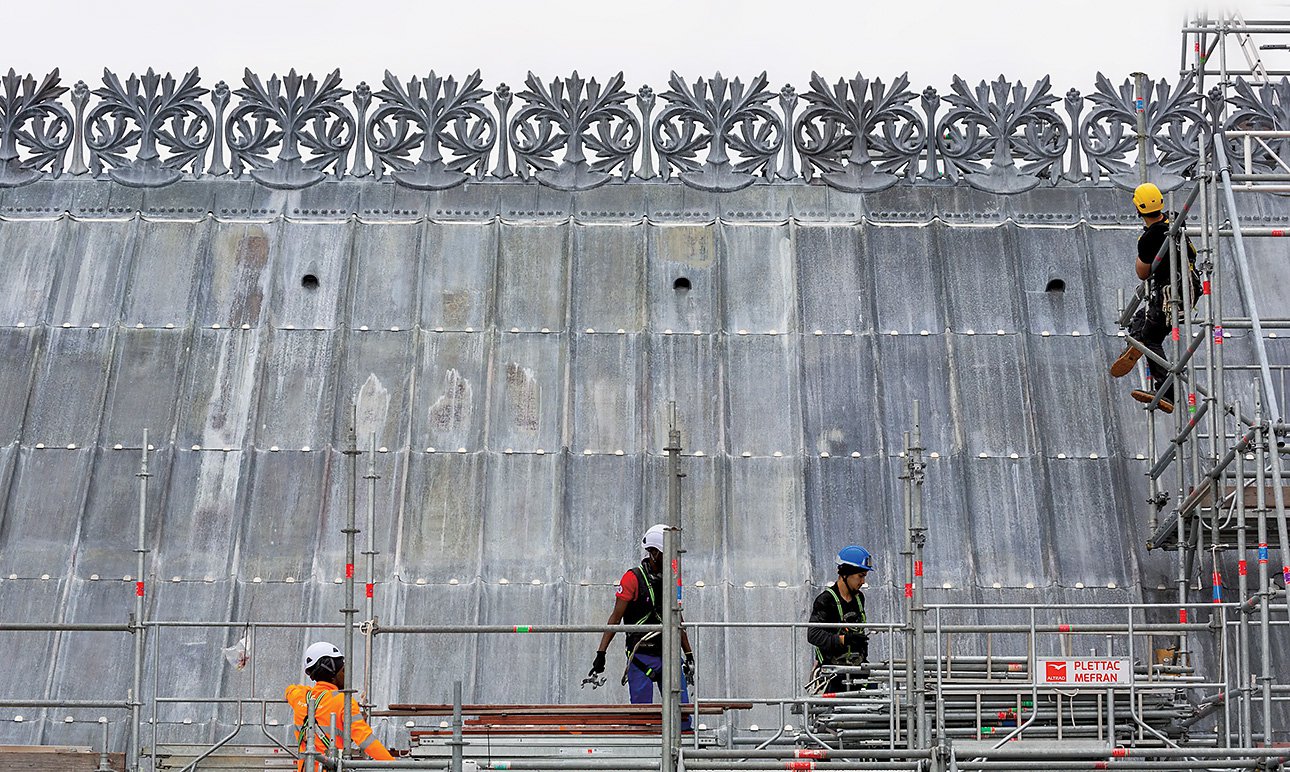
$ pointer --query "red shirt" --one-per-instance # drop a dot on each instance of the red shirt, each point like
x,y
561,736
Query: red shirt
x,y
628,588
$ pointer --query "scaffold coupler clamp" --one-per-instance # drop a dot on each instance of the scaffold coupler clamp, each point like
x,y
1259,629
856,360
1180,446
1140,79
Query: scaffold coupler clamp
x,y
942,758
368,626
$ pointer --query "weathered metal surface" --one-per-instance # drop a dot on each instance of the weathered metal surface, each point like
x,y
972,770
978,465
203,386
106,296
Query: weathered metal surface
x,y
534,455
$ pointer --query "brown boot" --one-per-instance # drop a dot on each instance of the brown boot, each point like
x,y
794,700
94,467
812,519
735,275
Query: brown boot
x,y
1145,397
1124,365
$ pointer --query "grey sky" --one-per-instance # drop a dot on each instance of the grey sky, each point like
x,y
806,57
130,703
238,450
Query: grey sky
x,y
1023,39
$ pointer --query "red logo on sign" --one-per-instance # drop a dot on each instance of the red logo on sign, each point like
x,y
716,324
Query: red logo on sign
x,y
1055,671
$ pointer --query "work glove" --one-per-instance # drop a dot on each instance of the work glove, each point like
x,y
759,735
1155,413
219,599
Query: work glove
x,y
687,667
597,665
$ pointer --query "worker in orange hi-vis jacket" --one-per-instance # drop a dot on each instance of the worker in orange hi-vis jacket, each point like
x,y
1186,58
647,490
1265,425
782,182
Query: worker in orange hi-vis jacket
x,y
325,665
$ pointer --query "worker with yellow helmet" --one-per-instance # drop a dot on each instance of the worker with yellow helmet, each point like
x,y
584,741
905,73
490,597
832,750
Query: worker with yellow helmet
x,y
1152,323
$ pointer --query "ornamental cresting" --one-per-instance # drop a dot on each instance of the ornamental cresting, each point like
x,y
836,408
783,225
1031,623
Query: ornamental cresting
x,y
431,132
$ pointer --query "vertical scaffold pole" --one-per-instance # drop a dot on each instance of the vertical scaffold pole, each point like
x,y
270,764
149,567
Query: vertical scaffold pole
x,y
351,606
369,603
141,552
1243,668
919,539
1265,619
672,604
1140,110
907,505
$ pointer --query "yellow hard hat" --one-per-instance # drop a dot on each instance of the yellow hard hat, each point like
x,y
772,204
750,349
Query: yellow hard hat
x,y
1147,198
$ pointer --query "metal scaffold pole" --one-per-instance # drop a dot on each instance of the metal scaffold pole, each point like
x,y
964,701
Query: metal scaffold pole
x,y
351,606
369,603
672,600
141,552
915,540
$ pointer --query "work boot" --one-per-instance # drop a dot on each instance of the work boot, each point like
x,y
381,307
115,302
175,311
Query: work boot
x,y
1124,365
1145,397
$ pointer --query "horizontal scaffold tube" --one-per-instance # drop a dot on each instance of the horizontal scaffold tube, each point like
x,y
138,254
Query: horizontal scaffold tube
x,y
798,764
808,753
526,765
1131,753
7,703
53,627
1029,766
471,629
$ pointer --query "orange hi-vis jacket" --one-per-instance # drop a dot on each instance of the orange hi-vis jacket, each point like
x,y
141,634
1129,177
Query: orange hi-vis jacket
x,y
328,702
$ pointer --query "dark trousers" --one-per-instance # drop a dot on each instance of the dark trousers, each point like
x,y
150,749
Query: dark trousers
x,y
1150,326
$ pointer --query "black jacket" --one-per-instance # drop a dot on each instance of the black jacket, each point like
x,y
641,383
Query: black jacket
x,y
829,607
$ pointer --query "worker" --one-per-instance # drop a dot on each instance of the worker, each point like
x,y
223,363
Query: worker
x,y
639,601
840,602
325,665
1152,322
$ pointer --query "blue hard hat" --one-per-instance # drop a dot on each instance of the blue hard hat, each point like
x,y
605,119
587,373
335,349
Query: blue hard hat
x,y
855,556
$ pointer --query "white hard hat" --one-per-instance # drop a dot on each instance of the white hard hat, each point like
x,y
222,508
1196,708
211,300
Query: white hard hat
x,y
317,651
654,537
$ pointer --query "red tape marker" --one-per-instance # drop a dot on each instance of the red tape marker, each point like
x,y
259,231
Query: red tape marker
x,y
799,765
810,753
1175,334
1278,232
1240,567
1063,628
1182,616
349,570
918,568
909,590
370,586
1204,287
138,589
1120,753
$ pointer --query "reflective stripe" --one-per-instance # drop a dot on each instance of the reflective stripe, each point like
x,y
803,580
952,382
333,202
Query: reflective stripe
x,y
837,600
371,738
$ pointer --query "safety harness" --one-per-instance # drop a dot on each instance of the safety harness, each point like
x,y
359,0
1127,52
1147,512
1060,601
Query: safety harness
x,y
653,674
312,701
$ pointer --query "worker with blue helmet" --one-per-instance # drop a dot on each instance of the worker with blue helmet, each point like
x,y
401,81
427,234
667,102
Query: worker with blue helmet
x,y
841,602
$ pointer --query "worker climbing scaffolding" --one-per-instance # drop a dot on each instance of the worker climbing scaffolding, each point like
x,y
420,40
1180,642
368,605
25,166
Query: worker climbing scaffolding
x,y
1156,318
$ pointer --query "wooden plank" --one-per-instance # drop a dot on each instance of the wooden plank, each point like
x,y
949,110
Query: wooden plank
x,y
37,758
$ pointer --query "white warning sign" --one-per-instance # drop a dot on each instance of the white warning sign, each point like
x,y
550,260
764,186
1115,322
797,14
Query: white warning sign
x,y
1085,672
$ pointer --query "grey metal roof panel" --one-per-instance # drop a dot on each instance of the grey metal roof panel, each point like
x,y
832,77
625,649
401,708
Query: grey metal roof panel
x,y
682,252
1067,395
680,368
523,518
280,523
29,253
922,360
18,356
527,391
978,266
108,531
450,405
296,388
607,270
238,282
200,525
758,281
906,282
375,380
427,676
765,540
501,661
147,373
321,250
993,399
531,287
763,378
832,278
847,502
43,511
606,520
28,664
92,273
439,527
329,552
218,397
760,662
458,275
66,401
1090,542
705,500
1006,546
605,377
840,415
1047,255
168,267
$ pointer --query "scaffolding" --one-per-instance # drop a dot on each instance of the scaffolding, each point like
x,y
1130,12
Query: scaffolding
x,y
1216,474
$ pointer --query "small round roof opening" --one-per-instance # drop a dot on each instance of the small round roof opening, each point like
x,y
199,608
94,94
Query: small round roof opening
x,y
681,284
1055,285
309,281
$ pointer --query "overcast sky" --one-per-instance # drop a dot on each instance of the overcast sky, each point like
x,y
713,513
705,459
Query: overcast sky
x,y
931,39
